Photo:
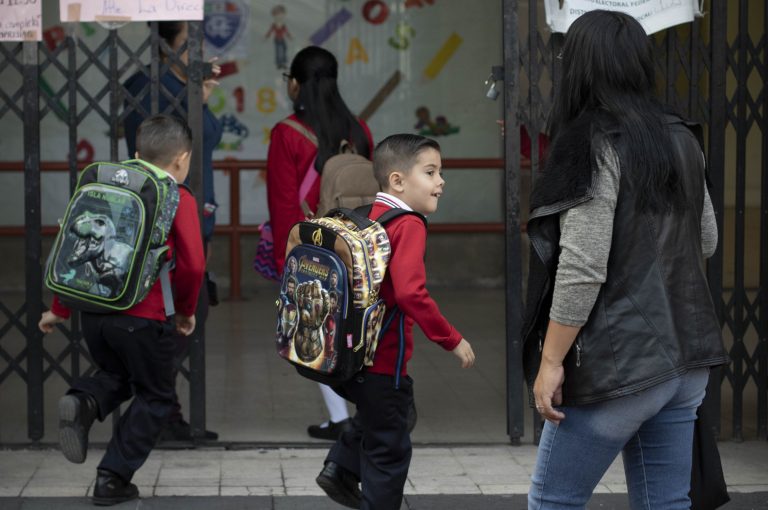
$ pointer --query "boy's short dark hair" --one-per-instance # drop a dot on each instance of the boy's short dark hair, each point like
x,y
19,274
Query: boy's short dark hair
x,y
160,138
398,152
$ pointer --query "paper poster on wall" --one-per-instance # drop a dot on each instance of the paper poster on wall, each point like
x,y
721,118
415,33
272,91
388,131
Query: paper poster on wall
x,y
654,15
21,21
136,10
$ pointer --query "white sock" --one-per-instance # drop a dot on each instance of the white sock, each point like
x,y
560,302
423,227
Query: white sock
x,y
337,406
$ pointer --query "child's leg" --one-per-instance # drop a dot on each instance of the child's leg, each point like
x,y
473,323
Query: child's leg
x,y
110,385
346,450
147,348
337,406
385,449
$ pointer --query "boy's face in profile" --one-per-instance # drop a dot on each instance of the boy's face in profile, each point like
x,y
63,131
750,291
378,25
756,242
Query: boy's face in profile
x,y
422,186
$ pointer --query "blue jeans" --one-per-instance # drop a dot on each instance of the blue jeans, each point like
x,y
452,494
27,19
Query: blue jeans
x,y
654,431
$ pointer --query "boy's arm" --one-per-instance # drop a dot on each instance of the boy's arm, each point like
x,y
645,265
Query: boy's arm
x,y
57,314
58,308
190,260
406,269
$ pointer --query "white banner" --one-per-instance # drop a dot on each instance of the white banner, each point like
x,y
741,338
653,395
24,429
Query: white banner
x,y
21,21
654,15
130,10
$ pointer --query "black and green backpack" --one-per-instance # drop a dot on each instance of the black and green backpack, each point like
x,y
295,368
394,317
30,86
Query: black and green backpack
x,y
111,247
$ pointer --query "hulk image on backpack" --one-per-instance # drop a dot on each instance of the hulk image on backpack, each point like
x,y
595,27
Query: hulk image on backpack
x,y
111,247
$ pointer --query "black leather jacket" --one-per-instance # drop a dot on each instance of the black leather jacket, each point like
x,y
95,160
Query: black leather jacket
x,y
653,318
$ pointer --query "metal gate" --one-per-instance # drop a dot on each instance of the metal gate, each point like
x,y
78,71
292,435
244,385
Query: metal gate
x,y
33,360
714,71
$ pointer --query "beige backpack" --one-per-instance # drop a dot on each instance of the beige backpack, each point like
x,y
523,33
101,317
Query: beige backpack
x,y
347,180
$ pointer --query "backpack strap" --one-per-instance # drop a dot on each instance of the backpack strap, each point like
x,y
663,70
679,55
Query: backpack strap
x,y
385,218
345,147
389,215
165,285
359,218
309,135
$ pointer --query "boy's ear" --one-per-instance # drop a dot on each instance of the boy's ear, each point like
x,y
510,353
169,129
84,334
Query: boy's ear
x,y
181,159
395,181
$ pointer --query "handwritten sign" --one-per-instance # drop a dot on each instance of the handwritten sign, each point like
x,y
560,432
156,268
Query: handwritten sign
x,y
653,15
20,20
130,10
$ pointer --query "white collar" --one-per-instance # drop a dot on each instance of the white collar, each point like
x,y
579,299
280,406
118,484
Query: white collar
x,y
392,201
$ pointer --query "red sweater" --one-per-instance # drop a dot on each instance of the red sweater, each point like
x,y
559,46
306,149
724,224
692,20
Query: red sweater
x,y
404,285
290,154
186,242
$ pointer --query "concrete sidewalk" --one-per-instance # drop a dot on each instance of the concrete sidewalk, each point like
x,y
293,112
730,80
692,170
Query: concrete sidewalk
x,y
444,477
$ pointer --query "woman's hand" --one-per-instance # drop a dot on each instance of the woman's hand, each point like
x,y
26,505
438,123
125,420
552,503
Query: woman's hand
x,y
548,390
210,82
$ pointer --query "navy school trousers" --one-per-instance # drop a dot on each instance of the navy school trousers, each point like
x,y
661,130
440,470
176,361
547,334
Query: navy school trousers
x,y
134,357
378,447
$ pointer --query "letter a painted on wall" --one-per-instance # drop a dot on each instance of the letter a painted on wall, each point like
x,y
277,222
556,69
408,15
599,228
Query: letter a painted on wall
x,y
356,51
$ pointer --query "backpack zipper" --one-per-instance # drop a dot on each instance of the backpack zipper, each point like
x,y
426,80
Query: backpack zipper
x,y
578,353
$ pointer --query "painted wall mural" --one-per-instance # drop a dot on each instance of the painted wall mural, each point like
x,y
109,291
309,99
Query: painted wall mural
x,y
405,66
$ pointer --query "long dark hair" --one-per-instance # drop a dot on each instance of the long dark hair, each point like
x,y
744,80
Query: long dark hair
x,y
168,31
320,105
608,70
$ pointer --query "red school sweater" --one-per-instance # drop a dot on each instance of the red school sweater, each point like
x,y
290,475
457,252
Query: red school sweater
x,y
290,154
185,241
404,285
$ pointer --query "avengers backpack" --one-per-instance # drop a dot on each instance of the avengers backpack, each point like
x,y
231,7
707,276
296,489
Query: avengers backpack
x,y
111,246
329,315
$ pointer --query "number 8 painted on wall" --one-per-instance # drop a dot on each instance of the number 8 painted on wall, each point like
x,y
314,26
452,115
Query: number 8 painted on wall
x,y
267,102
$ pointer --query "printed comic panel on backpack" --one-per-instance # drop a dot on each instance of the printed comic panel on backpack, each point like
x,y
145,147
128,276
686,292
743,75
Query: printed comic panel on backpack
x,y
98,241
373,320
312,303
370,251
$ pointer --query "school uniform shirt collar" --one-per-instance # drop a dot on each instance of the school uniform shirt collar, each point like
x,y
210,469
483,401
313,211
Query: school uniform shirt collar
x,y
391,201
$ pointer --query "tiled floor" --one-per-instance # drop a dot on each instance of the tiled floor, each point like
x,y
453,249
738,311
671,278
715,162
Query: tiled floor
x,y
482,470
255,397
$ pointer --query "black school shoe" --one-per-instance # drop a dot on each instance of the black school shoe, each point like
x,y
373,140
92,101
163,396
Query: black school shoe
x,y
76,414
332,432
340,485
110,489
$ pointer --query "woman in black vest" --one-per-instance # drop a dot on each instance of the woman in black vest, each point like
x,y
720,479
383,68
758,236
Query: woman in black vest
x,y
620,330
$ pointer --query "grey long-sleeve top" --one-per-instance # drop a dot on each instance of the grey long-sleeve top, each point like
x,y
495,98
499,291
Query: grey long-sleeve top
x,y
585,243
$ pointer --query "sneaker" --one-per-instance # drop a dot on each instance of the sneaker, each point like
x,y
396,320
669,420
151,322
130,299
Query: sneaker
x,y
76,414
340,485
332,431
181,430
110,489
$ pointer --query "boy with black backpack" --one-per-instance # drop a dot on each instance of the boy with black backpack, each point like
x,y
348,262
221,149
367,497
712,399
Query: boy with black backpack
x,y
133,348
377,451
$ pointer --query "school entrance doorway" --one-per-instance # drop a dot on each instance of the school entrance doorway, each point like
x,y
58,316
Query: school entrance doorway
x,y
63,103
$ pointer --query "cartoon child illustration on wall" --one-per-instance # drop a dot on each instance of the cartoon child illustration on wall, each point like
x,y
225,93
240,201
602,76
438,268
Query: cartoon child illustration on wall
x,y
280,32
